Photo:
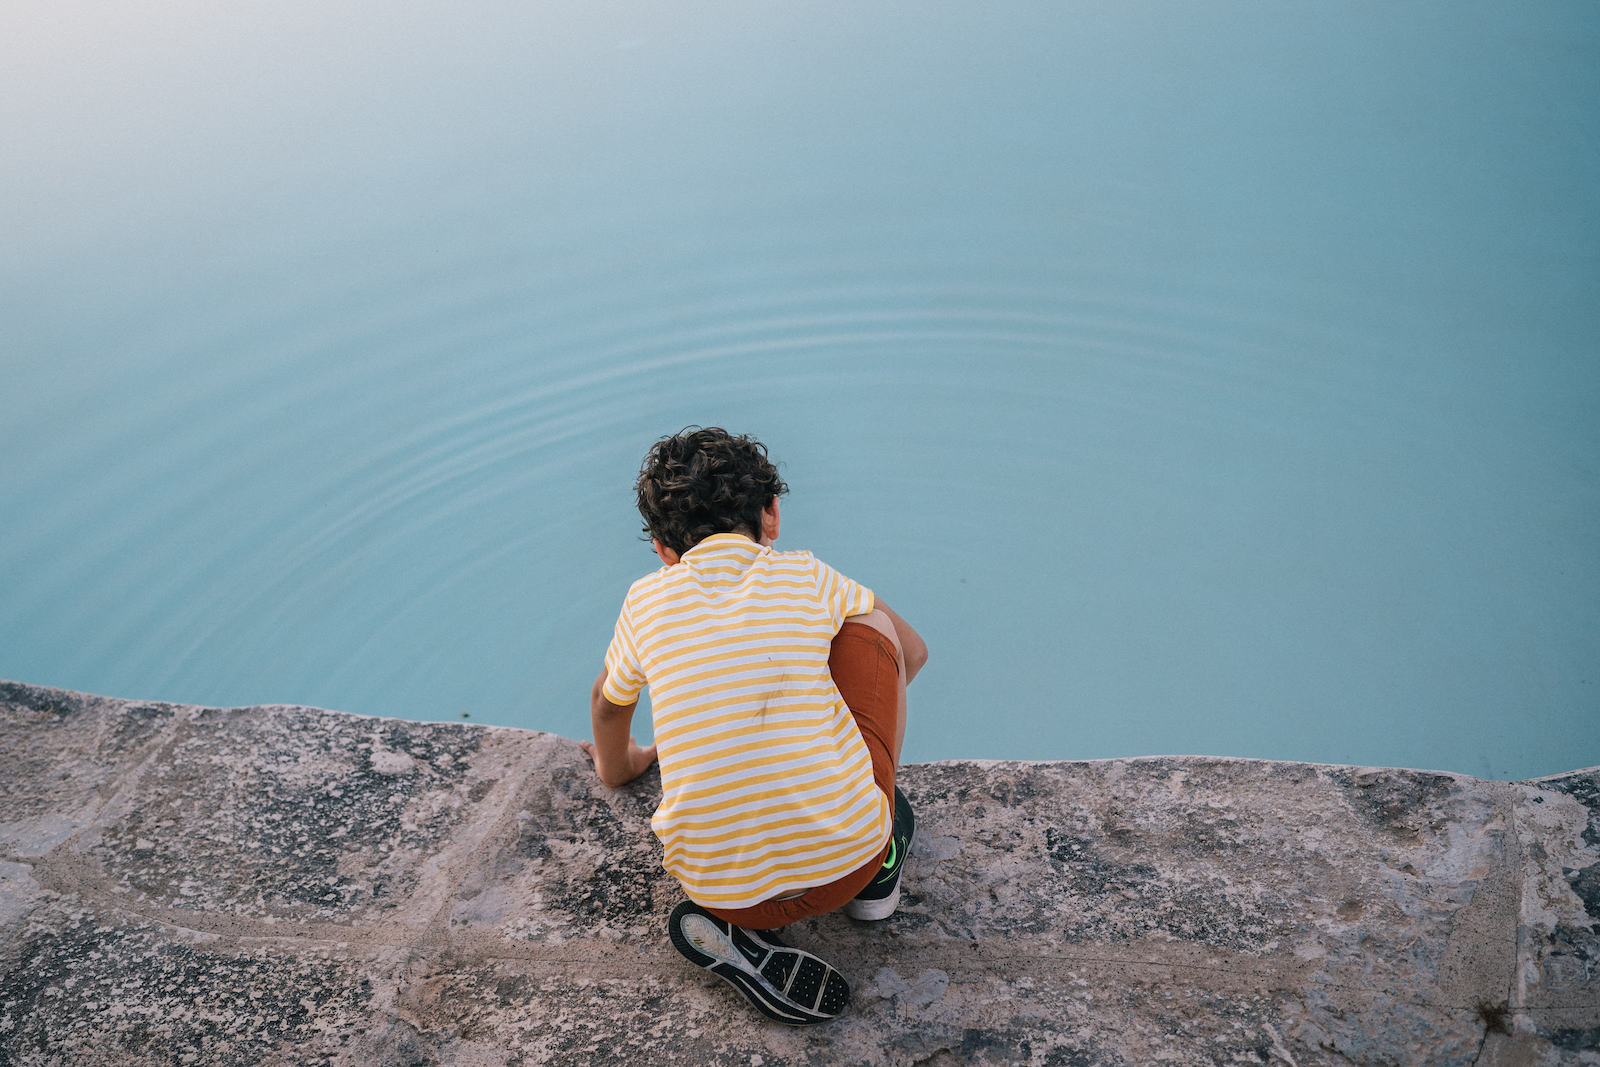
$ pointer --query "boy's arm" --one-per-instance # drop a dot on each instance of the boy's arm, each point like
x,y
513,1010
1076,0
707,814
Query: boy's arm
x,y
618,759
912,647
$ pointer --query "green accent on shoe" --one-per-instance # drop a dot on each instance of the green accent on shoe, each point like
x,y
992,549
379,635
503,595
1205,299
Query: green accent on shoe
x,y
890,864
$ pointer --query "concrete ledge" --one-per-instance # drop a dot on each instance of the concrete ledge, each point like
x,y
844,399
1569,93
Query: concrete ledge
x,y
283,885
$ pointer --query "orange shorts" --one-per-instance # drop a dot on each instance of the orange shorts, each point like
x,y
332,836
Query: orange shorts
x,y
866,668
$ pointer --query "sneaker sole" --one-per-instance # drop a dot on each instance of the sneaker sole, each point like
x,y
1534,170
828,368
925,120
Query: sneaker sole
x,y
785,984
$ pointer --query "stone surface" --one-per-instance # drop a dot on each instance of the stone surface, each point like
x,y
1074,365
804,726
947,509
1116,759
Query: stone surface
x,y
279,885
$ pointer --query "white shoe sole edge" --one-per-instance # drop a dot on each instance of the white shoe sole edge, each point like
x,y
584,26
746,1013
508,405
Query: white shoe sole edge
x,y
874,909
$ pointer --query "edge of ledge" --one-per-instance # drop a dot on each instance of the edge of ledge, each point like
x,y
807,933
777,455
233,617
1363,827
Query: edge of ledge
x,y
8,685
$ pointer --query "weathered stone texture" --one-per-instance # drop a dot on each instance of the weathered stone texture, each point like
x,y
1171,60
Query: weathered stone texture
x,y
292,886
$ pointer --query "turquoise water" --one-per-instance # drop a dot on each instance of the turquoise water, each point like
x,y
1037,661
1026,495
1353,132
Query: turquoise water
x,y
1199,378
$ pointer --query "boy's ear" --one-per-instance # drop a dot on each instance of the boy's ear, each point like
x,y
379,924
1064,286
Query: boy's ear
x,y
769,522
668,556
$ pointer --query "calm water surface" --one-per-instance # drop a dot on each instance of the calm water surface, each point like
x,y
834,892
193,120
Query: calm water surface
x,y
1199,378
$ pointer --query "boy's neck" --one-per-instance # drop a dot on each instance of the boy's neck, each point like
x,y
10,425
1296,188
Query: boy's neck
x,y
770,523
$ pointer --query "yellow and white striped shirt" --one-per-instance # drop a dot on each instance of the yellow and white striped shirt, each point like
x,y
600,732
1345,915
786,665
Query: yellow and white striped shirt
x,y
766,784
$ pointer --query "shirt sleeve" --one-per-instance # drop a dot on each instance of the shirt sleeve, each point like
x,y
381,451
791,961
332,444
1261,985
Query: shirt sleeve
x,y
624,675
841,596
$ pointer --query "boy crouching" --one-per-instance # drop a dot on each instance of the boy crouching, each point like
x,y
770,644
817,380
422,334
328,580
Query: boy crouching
x,y
778,694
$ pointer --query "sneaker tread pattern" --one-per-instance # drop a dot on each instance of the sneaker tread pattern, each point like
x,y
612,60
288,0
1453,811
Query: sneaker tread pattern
x,y
791,986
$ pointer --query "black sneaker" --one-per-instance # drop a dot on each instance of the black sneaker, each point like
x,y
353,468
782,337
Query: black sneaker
x,y
786,984
882,895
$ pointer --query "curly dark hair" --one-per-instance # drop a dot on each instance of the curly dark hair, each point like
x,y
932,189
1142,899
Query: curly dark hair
x,y
703,481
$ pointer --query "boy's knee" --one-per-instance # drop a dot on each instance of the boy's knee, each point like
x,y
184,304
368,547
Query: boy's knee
x,y
879,621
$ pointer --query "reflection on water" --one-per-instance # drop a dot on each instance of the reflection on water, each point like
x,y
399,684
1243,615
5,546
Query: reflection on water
x,y
1197,380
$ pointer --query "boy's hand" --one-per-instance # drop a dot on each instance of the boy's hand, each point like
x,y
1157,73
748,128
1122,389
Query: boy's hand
x,y
636,760
618,759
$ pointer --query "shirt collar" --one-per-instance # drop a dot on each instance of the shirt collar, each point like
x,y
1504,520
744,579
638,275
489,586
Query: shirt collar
x,y
723,544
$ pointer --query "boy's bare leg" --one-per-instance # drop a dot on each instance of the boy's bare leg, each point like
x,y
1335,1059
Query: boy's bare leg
x,y
912,647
